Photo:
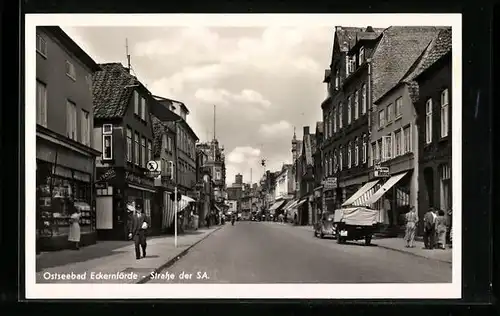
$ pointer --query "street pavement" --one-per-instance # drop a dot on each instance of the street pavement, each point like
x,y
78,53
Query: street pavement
x,y
113,261
266,252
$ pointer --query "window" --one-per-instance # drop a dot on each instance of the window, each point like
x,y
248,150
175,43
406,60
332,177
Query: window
x,y
386,148
399,105
361,55
137,157
389,113
406,140
444,113
380,150
143,109
169,143
107,141
334,120
136,103
445,187
325,165
150,151
349,156
356,105
374,153
335,162
41,103
41,45
70,70
337,80
397,145
349,110
356,151
363,99
428,121
365,149
381,118
143,152
164,142
340,158
85,127
341,110
129,144
71,120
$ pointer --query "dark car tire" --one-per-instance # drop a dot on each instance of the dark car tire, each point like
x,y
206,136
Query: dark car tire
x,y
321,235
315,234
368,240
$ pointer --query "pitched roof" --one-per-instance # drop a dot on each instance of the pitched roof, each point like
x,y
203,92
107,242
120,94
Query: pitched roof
x,y
397,51
110,90
350,35
439,47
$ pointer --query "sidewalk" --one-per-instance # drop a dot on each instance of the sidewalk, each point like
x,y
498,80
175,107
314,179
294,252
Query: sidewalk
x,y
398,244
114,261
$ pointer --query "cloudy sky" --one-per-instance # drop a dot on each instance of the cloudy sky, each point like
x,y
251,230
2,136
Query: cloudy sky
x,y
264,81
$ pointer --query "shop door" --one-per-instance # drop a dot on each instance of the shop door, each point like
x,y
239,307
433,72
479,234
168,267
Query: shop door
x,y
104,212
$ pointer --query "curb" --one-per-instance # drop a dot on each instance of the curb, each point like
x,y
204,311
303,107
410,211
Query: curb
x,y
171,262
413,254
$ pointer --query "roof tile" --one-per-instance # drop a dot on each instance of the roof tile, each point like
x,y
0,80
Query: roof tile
x,y
397,51
111,97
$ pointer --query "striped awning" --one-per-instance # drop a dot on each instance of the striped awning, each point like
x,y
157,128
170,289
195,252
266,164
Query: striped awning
x,y
387,185
362,200
364,189
277,205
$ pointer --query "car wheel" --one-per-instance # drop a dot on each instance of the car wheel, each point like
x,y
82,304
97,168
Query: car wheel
x,y
368,240
315,233
321,235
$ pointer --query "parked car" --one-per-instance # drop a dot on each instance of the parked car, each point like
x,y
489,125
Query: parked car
x,y
325,226
355,223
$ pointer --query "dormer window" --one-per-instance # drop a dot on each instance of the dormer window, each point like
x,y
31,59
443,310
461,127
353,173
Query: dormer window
x,y
361,55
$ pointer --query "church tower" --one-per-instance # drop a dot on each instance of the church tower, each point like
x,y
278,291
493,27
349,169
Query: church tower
x,y
294,146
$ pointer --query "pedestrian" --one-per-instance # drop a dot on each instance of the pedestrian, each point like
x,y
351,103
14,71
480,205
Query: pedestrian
x,y
441,230
429,229
74,228
137,231
295,219
411,225
435,214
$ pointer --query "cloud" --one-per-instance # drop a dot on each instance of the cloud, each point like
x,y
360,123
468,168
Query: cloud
x,y
243,154
275,128
224,97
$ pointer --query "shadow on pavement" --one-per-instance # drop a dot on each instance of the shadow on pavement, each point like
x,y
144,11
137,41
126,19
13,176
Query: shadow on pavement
x,y
362,244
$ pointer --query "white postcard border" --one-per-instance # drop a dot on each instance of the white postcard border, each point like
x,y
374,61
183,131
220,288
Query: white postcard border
x,y
293,291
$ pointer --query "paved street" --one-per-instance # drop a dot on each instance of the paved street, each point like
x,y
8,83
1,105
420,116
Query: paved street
x,y
264,252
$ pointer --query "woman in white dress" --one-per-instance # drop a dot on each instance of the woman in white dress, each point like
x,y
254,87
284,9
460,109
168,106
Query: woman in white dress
x,y
74,228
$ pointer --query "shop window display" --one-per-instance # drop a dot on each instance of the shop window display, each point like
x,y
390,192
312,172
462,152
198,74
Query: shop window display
x,y
58,195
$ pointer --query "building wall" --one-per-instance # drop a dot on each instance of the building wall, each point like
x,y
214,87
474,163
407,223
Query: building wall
x,y
50,70
186,158
433,156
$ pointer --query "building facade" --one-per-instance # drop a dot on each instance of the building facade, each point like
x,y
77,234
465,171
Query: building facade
x,y
205,185
216,162
65,159
305,171
318,173
123,131
393,142
434,127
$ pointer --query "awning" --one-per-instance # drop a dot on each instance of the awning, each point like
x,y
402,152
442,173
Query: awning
x,y
387,185
300,203
290,203
360,192
362,200
276,205
184,202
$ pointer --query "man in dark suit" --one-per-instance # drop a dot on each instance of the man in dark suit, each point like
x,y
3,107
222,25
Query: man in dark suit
x,y
429,229
138,226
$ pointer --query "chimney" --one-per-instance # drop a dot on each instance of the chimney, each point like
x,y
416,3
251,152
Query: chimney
x,y
369,29
306,130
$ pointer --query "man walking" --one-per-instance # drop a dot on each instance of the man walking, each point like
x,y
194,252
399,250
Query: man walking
x,y
137,231
411,224
429,229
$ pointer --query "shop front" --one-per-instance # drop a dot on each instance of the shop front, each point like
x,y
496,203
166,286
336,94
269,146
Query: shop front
x,y
64,185
116,188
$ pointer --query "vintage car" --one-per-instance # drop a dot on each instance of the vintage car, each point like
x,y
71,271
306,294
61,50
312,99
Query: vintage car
x,y
356,223
325,227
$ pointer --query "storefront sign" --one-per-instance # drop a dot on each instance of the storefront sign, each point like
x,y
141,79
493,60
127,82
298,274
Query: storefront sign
x,y
330,183
101,185
108,174
130,177
381,172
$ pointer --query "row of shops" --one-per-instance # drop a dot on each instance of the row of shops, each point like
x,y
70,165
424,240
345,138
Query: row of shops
x,y
66,181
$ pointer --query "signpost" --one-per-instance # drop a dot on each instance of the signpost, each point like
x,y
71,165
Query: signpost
x,y
154,169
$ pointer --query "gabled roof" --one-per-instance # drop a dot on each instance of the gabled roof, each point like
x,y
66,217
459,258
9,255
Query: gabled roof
x,y
397,51
441,46
348,36
112,89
